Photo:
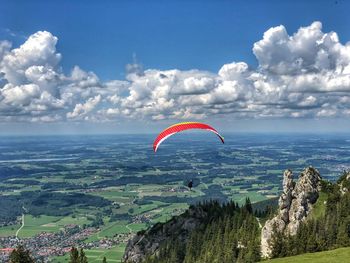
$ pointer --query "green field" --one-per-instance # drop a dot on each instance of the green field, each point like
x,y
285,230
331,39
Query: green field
x,y
36,225
112,255
253,196
340,255
137,226
130,188
165,213
114,228
6,231
96,255
116,194
109,230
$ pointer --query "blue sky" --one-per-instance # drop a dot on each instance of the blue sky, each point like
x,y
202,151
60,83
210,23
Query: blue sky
x,y
163,34
242,65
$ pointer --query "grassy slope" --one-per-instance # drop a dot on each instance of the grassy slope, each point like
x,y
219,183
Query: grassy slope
x,y
337,255
320,206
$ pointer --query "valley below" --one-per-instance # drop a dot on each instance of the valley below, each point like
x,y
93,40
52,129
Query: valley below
x,y
97,192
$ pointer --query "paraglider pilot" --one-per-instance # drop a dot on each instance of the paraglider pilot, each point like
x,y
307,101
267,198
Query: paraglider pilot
x,y
190,184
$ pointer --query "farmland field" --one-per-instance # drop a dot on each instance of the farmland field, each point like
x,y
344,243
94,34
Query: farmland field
x,y
113,254
112,186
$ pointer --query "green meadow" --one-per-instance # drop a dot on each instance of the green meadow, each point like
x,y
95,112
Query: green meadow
x,y
113,254
339,255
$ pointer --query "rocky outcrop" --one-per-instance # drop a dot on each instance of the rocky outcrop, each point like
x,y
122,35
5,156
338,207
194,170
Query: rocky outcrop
x,y
344,183
148,242
295,203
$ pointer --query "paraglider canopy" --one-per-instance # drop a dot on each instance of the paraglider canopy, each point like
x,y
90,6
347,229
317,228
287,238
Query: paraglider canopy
x,y
179,127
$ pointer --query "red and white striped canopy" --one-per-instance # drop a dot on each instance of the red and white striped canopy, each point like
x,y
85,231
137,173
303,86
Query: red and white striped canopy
x,y
179,127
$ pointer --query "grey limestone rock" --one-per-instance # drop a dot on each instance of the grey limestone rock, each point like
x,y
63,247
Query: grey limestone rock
x,y
295,203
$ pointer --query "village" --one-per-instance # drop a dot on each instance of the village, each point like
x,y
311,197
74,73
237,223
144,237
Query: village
x,y
44,246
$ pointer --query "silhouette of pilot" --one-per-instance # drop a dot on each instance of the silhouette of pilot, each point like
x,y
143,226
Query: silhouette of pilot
x,y
190,184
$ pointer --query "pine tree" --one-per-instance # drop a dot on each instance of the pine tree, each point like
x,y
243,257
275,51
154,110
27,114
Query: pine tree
x,y
343,235
248,205
190,249
74,255
277,243
321,235
218,244
82,256
21,255
173,257
311,245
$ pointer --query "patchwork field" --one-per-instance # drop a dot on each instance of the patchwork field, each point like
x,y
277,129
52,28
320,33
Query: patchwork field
x,y
117,185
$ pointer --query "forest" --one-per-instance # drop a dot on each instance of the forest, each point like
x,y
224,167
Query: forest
x,y
230,234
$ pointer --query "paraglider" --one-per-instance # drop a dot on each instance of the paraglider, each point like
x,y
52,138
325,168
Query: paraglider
x,y
190,184
179,127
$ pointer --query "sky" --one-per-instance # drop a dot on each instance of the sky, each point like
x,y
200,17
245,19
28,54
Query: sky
x,y
137,66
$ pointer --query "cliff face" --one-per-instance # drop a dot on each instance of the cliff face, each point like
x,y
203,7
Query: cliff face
x,y
148,243
344,183
295,203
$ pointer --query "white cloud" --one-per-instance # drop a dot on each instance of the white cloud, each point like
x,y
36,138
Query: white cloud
x,y
5,47
326,113
233,71
38,50
82,109
305,74
20,95
83,79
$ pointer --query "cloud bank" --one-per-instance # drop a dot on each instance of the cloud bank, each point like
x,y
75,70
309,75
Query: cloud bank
x,y
303,75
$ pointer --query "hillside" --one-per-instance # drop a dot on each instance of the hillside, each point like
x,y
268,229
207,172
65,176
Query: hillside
x,y
231,230
312,216
336,255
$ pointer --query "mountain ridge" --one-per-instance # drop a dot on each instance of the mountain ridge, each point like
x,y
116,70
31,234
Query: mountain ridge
x,y
201,234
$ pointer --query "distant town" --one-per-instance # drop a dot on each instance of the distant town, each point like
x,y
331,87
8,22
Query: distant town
x,y
47,245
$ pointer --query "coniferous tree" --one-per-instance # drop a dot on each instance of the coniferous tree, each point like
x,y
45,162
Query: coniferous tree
x,y
230,234
104,260
21,255
248,205
74,255
277,243
82,256
343,235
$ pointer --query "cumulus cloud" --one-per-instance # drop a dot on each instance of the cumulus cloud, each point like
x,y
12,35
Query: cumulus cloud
x,y
82,109
38,50
304,74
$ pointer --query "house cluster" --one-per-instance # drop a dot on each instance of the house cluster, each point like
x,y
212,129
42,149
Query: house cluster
x,y
46,245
